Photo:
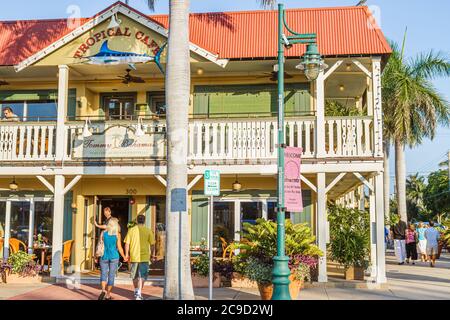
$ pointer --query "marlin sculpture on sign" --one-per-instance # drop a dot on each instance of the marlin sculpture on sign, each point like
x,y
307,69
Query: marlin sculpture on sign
x,y
111,57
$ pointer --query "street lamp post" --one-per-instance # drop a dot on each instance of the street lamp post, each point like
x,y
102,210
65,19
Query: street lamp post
x,y
312,64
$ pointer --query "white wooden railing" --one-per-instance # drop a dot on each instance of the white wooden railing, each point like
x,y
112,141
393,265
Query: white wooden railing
x,y
349,137
208,139
27,141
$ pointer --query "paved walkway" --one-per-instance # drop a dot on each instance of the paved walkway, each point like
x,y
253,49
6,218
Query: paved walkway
x,y
404,282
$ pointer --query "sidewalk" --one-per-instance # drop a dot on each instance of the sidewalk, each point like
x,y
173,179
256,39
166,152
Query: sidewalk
x,y
418,282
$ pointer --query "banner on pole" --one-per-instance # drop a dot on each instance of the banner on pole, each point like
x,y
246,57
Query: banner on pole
x,y
292,183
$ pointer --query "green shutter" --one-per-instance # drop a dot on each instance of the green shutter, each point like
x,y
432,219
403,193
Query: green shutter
x,y
67,231
305,216
72,104
199,220
246,100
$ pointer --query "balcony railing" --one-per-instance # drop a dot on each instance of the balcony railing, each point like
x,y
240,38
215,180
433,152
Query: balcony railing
x,y
208,139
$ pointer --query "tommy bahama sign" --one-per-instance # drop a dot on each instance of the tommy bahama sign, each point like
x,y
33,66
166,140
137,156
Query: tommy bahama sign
x,y
119,142
292,184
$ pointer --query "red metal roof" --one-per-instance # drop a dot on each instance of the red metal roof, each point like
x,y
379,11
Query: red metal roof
x,y
232,35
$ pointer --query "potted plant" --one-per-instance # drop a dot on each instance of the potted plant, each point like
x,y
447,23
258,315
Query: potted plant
x,y
259,246
23,269
5,270
349,240
200,272
301,266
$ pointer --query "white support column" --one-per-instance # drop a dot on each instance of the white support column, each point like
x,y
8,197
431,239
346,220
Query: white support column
x,y
320,115
7,230
63,94
58,226
31,226
377,107
379,212
373,234
322,225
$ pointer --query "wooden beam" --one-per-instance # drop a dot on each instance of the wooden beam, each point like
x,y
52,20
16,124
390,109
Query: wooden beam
x,y
364,69
333,183
363,180
162,180
194,181
309,183
46,183
72,184
332,69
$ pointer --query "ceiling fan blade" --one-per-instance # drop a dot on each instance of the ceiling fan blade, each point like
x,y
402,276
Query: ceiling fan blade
x,y
4,83
138,80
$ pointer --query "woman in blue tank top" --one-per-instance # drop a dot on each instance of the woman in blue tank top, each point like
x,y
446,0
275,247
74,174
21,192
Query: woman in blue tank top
x,y
109,262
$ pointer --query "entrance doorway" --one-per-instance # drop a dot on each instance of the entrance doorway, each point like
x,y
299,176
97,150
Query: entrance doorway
x,y
120,209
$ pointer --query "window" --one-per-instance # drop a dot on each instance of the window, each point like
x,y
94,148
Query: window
x,y
224,221
250,211
119,106
157,103
43,224
272,212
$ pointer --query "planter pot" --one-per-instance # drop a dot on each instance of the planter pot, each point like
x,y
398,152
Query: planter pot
x,y
354,273
239,281
294,287
265,290
14,278
203,282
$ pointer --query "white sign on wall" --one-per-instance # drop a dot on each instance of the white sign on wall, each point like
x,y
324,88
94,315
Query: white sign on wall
x,y
119,142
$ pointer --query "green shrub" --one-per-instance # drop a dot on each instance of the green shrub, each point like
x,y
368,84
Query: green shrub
x,y
200,265
22,263
349,236
259,271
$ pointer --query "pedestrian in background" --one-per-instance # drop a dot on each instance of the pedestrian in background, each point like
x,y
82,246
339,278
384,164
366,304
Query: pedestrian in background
x,y
432,236
411,244
422,242
399,235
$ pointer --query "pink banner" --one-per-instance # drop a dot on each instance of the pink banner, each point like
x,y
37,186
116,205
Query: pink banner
x,y
292,185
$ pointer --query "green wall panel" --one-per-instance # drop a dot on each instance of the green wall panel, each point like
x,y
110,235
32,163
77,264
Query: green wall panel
x,y
305,216
199,221
67,231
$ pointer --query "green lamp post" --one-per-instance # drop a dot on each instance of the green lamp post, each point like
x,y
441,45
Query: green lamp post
x,y
312,64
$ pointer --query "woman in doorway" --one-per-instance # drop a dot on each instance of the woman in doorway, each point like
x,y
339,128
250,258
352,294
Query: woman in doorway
x,y
422,242
109,262
411,244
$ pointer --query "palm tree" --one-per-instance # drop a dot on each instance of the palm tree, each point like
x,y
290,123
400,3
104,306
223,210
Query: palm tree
x,y
412,106
415,189
178,284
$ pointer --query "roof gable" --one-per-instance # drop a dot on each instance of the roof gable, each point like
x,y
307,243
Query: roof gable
x,y
77,43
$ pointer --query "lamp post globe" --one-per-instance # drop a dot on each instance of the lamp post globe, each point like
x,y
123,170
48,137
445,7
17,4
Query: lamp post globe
x,y
311,62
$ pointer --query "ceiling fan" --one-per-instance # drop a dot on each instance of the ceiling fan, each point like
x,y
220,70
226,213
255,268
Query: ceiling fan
x,y
14,187
128,78
274,74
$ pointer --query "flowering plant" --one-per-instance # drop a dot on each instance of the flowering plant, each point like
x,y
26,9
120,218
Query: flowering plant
x,y
301,266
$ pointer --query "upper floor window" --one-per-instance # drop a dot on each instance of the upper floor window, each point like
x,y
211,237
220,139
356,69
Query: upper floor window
x,y
33,105
119,106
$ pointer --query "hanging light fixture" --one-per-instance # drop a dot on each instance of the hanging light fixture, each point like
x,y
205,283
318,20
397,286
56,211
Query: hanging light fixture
x,y
13,186
237,186
86,132
115,22
139,131
311,62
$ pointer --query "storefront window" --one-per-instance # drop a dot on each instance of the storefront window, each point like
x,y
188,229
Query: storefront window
x,y
272,212
250,211
20,221
224,221
43,223
33,110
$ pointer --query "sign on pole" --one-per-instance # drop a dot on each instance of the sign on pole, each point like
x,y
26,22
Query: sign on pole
x,y
212,183
212,188
292,185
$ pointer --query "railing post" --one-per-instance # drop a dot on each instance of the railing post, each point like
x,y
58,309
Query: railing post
x,y
63,92
320,115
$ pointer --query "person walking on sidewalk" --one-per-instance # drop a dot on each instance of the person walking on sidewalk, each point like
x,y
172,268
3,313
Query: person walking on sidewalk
x,y
422,242
139,242
411,244
432,236
109,261
399,235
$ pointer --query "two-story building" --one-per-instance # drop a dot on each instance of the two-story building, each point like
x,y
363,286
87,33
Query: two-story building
x,y
90,125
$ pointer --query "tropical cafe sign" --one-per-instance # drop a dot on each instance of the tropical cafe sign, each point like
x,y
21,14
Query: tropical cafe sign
x,y
119,142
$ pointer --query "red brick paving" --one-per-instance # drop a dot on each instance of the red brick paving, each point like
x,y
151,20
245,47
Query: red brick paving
x,y
87,292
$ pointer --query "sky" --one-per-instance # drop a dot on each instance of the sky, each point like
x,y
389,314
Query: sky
x,y
427,23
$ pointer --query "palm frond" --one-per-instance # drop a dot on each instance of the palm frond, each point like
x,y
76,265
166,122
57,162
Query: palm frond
x,y
268,3
151,4
431,65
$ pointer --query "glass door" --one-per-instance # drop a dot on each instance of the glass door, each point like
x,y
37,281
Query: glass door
x,y
2,226
119,106
20,223
223,224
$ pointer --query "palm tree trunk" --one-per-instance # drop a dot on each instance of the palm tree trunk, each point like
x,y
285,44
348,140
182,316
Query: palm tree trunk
x,y
178,284
386,178
400,178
